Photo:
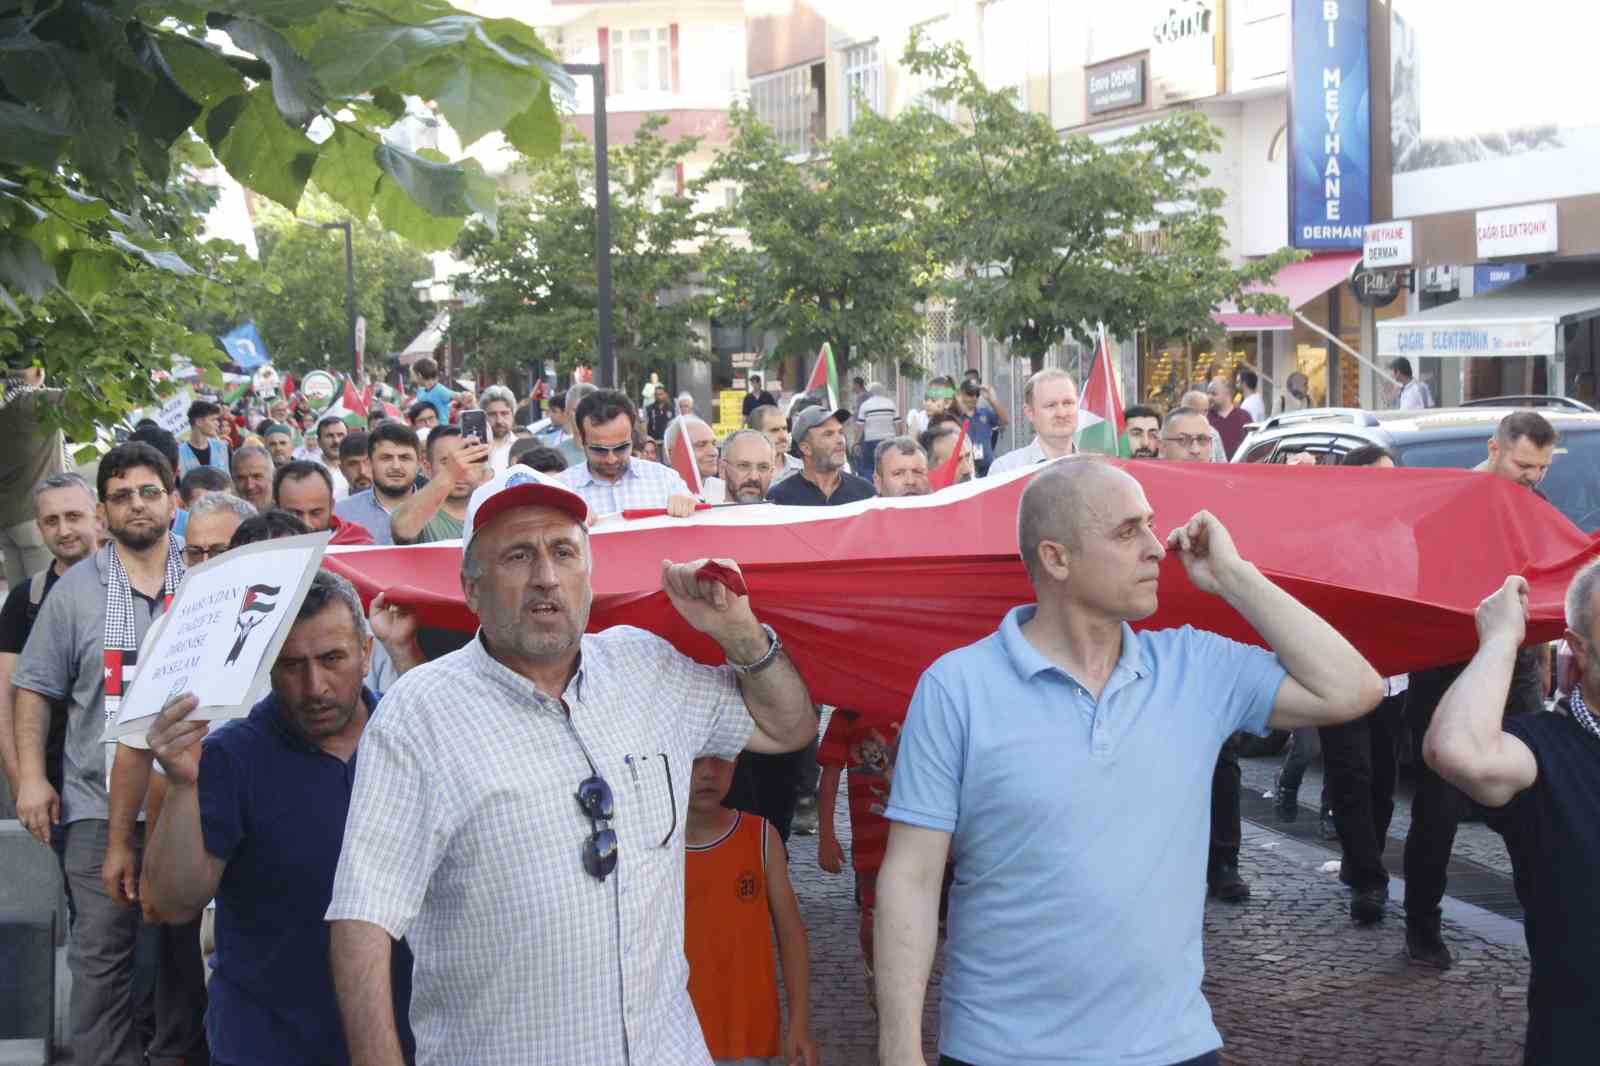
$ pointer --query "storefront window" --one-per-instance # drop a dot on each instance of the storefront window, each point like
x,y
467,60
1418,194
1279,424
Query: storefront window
x,y
1168,370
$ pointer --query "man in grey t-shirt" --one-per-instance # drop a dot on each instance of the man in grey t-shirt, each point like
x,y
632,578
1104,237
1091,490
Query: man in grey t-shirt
x,y
66,659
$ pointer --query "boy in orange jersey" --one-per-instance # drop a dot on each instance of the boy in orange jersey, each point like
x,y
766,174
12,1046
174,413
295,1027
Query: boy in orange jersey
x,y
736,894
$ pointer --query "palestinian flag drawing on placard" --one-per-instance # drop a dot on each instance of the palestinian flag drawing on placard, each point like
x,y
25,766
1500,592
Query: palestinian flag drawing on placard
x,y
257,605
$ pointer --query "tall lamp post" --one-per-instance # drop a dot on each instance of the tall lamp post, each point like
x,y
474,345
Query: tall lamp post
x,y
349,288
602,223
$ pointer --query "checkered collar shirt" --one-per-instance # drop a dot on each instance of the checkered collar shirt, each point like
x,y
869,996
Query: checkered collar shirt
x,y
464,837
643,484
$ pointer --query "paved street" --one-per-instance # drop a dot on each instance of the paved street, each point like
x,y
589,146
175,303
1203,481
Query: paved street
x,y
1290,978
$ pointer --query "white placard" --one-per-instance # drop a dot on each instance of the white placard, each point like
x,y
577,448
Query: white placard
x,y
1526,230
1387,244
222,633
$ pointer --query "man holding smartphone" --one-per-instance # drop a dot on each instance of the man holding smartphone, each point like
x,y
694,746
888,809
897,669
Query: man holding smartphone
x,y
456,465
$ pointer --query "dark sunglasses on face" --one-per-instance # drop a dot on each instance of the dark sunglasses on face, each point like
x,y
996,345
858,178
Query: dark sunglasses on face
x,y
605,451
600,850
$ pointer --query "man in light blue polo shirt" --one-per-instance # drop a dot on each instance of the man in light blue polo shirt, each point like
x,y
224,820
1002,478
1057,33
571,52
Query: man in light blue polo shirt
x,y
1065,761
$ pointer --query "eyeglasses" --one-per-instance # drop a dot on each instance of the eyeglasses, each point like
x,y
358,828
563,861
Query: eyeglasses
x,y
600,850
1187,441
605,451
147,493
194,555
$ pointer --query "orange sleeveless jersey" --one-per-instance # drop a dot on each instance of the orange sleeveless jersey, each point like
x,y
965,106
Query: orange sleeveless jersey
x,y
727,936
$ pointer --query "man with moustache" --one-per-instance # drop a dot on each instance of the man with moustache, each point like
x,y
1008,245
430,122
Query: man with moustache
x,y
456,466
518,790
1050,402
940,443
606,475
279,439
354,465
819,441
747,465
770,422
254,818
902,468
252,476
83,651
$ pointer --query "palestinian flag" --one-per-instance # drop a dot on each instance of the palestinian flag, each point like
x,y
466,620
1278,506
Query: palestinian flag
x,y
350,407
824,381
237,393
1100,424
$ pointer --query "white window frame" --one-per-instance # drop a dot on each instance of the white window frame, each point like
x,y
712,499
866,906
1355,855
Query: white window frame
x,y
936,33
783,100
863,74
626,47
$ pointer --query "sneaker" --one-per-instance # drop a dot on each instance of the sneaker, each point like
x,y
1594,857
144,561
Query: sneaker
x,y
805,817
1367,906
1330,829
1285,802
1427,947
1226,884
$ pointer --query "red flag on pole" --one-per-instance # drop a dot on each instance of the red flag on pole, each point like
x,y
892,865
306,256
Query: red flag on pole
x,y
825,377
944,475
682,458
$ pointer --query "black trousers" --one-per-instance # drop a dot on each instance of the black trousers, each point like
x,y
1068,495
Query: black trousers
x,y
1361,761
1226,830
1436,809
770,785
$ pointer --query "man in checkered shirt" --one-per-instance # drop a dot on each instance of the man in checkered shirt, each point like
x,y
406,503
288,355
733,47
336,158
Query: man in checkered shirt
x,y
611,478
546,930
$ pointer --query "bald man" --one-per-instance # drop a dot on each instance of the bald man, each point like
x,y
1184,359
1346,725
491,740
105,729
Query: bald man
x,y
1018,757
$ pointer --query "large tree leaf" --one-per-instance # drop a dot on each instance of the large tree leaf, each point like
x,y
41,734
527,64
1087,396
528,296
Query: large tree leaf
x,y
476,95
263,152
294,86
91,272
30,137
347,171
157,105
536,132
350,63
68,87
171,262
201,70
23,269
440,188
402,214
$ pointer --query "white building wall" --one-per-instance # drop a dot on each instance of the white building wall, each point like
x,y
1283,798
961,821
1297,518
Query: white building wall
x,y
1263,176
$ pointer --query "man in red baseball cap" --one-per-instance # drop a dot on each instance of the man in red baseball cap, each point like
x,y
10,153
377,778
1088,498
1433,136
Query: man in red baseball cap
x,y
536,782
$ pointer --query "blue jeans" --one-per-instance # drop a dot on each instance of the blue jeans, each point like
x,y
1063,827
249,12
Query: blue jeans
x,y
1210,1058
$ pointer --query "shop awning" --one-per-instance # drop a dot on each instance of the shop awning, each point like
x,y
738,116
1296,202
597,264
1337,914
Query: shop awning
x,y
1299,284
1520,319
427,342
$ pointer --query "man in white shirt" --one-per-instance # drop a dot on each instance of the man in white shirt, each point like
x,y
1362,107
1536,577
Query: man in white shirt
x,y
1050,402
499,406
1414,395
609,480
878,419
703,446
1253,404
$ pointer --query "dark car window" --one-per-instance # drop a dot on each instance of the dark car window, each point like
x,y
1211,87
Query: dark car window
x,y
1261,452
1573,484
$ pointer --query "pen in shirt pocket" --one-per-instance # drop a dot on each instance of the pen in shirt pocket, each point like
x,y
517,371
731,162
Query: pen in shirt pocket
x,y
633,770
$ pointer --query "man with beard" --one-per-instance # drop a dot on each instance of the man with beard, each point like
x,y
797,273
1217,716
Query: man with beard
x,y
83,651
770,423
518,789
254,818
940,443
252,476
279,439
393,452
435,512
305,490
324,451
819,441
1144,431
902,468
747,464
1050,402
606,475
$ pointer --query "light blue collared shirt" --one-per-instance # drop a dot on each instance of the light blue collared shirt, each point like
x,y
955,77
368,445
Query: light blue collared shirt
x,y
1080,831
643,484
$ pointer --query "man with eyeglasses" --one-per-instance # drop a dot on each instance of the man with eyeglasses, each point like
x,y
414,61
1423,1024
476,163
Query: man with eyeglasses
x,y
519,809
254,818
83,650
747,464
608,479
1187,437
437,511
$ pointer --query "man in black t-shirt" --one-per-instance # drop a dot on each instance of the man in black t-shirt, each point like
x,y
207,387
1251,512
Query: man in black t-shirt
x,y
757,397
819,442
1540,775
659,415
64,510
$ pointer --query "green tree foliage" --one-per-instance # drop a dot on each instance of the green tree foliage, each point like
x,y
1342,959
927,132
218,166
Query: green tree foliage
x,y
831,250
1051,235
533,275
304,323
101,101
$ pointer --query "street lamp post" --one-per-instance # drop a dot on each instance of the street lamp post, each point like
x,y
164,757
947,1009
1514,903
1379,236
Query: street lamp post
x,y
607,370
349,287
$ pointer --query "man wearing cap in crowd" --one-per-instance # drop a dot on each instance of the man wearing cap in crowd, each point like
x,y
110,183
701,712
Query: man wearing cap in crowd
x,y
823,481
517,809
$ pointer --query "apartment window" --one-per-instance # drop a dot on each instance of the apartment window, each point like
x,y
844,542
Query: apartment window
x,y
1007,34
790,104
936,33
863,82
641,61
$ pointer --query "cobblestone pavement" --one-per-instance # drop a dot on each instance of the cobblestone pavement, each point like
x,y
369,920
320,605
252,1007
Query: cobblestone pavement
x,y
1291,980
